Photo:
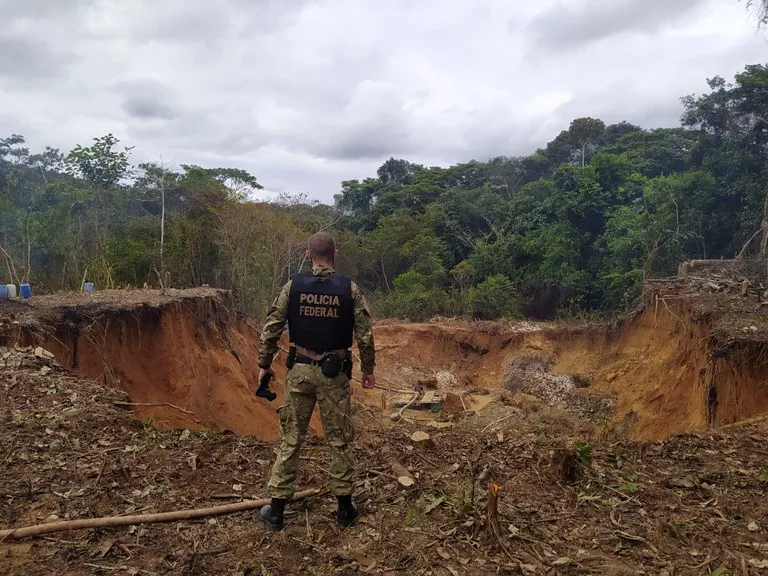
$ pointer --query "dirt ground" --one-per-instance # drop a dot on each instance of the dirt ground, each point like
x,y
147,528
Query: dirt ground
x,y
609,449
691,505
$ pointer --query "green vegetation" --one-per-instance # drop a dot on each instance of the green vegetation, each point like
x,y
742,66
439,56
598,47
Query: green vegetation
x,y
571,229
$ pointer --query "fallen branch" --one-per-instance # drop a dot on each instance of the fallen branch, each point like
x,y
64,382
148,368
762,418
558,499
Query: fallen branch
x,y
499,421
747,243
179,408
382,474
110,521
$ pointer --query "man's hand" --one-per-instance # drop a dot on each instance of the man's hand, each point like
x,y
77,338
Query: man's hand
x,y
369,381
263,390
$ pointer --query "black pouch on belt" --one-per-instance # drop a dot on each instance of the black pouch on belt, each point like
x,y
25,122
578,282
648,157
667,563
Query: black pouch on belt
x,y
330,365
290,359
348,364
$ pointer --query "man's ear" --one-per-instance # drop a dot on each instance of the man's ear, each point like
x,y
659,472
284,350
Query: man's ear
x,y
309,256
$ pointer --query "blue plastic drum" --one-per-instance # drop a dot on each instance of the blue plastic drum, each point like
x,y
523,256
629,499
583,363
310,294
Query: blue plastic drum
x,y
3,291
89,287
26,291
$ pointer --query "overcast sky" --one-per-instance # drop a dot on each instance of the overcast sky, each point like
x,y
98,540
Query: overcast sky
x,y
307,93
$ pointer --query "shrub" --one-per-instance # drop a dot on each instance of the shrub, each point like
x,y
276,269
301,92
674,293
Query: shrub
x,y
495,297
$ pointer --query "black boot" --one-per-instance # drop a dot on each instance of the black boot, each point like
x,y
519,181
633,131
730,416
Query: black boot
x,y
272,514
347,513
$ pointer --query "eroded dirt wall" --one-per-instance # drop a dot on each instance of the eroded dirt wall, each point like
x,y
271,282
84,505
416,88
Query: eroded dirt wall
x,y
662,366
654,364
739,382
193,363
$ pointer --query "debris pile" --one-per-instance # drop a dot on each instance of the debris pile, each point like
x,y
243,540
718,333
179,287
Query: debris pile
x,y
530,375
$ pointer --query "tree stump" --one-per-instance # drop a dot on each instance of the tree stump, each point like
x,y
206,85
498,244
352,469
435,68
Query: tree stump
x,y
492,511
422,439
565,465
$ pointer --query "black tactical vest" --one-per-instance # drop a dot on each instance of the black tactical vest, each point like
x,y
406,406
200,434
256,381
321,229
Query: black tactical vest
x,y
321,312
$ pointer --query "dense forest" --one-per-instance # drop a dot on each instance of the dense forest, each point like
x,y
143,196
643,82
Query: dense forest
x,y
571,229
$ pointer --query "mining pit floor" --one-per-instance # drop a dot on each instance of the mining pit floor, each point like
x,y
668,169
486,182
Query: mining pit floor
x,y
631,447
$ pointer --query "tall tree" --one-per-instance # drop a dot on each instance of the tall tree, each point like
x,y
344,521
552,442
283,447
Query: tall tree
x,y
157,180
761,9
585,131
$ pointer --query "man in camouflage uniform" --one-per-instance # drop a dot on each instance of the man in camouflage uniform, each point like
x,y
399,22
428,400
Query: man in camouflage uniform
x,y
322,310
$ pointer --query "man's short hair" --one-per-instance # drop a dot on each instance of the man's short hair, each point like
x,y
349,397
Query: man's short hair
x,y
322,246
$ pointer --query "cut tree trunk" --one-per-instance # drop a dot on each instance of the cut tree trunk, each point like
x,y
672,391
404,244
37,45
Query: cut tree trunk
x,y
109,521
492,511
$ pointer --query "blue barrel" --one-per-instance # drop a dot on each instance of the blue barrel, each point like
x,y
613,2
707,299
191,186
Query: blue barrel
x,y
26,291
89,287
3,291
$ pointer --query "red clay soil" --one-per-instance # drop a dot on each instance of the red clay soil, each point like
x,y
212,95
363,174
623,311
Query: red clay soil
x,y
186,355
689,360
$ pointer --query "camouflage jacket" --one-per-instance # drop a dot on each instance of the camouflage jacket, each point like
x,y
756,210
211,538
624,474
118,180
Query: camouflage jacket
x,y
278,313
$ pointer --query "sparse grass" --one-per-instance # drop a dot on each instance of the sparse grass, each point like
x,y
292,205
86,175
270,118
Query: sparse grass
x,y
629,487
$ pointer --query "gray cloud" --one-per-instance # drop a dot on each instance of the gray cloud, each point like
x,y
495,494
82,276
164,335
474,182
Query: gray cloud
x,y
570,25
148,107
148,99
40,9
307,93
196,23
24,60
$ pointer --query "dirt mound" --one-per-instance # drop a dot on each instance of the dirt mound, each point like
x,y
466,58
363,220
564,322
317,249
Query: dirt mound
x,y
185,357
532,375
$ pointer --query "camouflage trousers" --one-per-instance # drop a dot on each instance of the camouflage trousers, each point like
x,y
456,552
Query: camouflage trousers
x,y
306,385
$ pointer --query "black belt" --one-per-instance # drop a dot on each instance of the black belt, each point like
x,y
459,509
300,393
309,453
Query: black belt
x,y
306,360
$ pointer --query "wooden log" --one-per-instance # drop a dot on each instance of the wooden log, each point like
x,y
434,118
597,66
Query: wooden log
x,y
110,521
404,477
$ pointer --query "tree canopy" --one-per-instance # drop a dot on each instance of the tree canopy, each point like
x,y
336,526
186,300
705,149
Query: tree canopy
x,y
572,228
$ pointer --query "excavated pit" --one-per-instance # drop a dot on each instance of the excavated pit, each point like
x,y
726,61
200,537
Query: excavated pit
x,y
687,361
185,359
188,360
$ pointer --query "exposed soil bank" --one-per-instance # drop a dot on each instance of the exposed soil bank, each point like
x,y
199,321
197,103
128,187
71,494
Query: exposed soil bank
x,y
678,365
670,373
669,368
188,349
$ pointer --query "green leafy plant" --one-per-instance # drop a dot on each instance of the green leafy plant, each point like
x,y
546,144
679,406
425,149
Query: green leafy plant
x,y
629,487
584,452
434,502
